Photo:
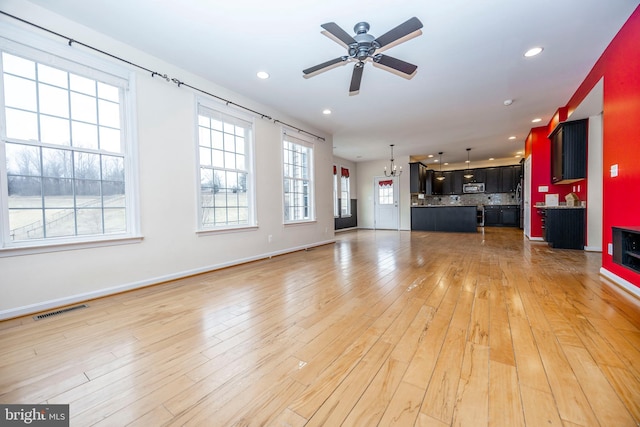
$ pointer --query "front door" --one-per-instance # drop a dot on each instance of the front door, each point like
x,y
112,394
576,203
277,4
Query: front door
x,y
386,203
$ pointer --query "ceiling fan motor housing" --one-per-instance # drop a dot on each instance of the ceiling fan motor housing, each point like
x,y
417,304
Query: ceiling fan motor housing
x,y
366,44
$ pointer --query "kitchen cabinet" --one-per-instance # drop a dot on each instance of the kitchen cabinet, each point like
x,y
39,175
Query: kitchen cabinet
x,y
417,177
479,175
492,181
420,178
502,215
503,179
510,178
569,152
444,218
457,179
564,227
446,185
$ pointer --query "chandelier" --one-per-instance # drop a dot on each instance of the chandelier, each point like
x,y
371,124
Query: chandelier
x,y
393,171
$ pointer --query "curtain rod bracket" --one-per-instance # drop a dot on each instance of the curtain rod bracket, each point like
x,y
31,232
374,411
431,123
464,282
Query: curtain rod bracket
x,y
71,41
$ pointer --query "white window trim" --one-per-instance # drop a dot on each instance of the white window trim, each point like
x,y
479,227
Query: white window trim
x,y
18,41
215,105
302,140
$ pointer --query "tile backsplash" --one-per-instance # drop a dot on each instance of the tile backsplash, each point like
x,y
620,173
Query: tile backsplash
x,y
466,199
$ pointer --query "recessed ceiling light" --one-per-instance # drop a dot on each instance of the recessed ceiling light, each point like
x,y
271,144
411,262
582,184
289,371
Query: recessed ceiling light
x,y
536,120
430,156
517,156
512,137
326,111
533,51
262,75
436,161
467,161
446,164
508,102
491,158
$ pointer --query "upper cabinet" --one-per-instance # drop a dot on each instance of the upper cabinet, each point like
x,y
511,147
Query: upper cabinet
x,y
569,152
420,178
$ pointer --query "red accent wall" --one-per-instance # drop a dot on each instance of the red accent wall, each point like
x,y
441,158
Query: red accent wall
x,y
620,67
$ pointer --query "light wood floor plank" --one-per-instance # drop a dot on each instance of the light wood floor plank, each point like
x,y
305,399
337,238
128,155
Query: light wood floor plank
x,y
381,328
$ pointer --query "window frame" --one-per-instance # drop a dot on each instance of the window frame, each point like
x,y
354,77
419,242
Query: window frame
x,y
218,108
294,137
19,42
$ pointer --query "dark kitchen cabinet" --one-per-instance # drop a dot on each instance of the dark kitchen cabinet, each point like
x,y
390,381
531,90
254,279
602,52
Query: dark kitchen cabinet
x,y
502,216
420,178
417,177
564,227
457,179
569,152
510,178
444,186
510,216
491,216
492,181
479,175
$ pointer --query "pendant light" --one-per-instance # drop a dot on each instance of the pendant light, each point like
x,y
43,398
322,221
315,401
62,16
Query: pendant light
x,y
468,175
393,169
440,177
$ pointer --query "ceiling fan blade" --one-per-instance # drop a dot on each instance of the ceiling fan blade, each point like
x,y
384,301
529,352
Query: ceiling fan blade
x,y
356,78
338,33
321,67
395,64
399,32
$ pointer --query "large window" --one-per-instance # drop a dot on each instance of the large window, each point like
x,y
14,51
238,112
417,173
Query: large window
x,y
298,179
67,165
226,179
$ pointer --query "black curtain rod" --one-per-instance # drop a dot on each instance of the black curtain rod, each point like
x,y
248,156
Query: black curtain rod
x,y
71,41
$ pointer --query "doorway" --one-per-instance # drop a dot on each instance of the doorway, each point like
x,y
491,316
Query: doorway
x,y
386,203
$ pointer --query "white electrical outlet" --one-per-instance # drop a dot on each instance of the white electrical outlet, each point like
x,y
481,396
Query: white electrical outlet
x,y
270,238
610,248
614,170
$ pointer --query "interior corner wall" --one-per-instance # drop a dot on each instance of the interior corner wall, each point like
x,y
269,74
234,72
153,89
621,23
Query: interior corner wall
x,y
165,121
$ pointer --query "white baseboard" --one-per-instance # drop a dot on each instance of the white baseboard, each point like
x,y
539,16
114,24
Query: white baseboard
x,y
536,239
620,282
593,248
74,299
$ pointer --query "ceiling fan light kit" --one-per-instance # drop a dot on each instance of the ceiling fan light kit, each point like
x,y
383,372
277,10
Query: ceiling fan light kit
x,y
364,46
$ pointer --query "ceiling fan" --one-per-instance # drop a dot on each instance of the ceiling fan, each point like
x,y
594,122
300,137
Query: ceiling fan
x,y
364,46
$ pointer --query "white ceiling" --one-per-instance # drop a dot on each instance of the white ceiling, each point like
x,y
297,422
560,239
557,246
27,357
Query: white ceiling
x,y
469,56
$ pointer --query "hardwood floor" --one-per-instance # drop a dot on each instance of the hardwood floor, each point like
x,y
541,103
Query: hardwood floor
x,y
382,328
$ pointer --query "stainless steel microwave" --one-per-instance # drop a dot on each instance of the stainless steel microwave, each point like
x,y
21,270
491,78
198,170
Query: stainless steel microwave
x,y
474,187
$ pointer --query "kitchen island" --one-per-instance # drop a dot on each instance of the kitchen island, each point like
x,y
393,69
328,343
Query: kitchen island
x,y
444,218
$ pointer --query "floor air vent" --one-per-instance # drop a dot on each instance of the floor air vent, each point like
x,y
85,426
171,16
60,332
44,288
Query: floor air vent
x,y
57,312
